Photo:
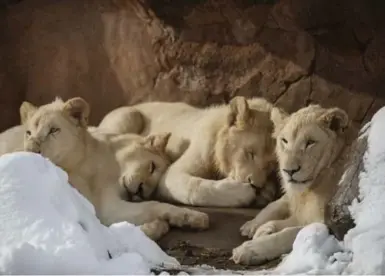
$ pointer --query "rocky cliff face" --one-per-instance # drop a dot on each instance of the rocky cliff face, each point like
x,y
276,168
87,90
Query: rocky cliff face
x,y
117,52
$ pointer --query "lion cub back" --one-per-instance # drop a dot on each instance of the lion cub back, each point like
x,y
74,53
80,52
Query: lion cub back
x,y
12,140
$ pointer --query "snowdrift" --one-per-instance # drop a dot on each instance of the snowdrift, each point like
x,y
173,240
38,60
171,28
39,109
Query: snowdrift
x,y
47,227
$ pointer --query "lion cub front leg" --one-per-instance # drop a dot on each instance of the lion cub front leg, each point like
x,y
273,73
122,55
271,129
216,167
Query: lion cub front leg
x,y
155,229
180,217
274,226
118,210
184,182
278,209
175,216
266,248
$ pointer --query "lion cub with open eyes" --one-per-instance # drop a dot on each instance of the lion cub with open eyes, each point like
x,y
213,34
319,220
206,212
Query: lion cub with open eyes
x,y
59,132
312,148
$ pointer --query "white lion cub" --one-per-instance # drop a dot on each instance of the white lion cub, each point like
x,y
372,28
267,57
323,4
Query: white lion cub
x,y
11,140
221,154
312,149
59,131
142,160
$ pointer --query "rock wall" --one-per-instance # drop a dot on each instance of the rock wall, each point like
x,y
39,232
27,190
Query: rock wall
x,y
117,52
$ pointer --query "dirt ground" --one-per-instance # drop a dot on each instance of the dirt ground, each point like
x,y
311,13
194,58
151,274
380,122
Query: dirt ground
x,y
211,247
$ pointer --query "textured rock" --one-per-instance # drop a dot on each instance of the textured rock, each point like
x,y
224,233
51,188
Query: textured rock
x,y
118,52
337,215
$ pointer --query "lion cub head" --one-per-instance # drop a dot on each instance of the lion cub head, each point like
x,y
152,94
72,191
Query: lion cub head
x,y
143,161
55,129
245,148
308,142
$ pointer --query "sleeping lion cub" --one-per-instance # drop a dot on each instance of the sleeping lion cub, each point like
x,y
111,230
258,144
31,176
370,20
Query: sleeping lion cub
x,y
58,131
142,160
312,148
222,154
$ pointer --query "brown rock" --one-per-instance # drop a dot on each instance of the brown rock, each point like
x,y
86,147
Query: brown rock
x,y
356,105
374,57
124,52
337,215
292,15
376,105
296,96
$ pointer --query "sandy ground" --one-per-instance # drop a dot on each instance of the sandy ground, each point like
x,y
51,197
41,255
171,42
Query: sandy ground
x,y
211,247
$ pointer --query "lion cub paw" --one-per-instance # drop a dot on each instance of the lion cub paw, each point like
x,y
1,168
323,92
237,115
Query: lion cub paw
x,y
248,253
266,229
249,228
235,193
155,229
191,218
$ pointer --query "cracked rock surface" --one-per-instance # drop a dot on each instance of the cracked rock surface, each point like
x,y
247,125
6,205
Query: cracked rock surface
x,y
116,52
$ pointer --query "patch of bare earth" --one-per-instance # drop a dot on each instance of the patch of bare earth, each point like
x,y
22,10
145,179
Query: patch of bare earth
x,y
212,247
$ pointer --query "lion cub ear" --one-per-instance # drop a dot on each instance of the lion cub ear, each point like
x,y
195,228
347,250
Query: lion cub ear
x,y
157,141
26,111
278,116
78,109
239,112
335,118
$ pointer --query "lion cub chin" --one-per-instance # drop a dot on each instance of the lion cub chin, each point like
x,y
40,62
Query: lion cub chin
x,y
312,149
58,131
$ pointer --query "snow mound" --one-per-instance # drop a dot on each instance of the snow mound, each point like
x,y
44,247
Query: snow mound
x,y
367,239
363,249
47,227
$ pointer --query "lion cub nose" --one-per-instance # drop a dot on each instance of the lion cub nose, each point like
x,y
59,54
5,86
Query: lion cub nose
x,y
253,185
291,172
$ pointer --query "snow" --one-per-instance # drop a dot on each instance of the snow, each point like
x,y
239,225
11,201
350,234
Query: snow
x,y
47,227
363,249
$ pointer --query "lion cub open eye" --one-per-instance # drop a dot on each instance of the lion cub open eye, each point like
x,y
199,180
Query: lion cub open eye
x,y
28,133
283,140
309,143
53,130
152,167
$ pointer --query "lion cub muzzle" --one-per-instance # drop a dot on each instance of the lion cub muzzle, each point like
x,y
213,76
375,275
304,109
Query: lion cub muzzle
x,y
32,145
292,175
134,193
291,172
